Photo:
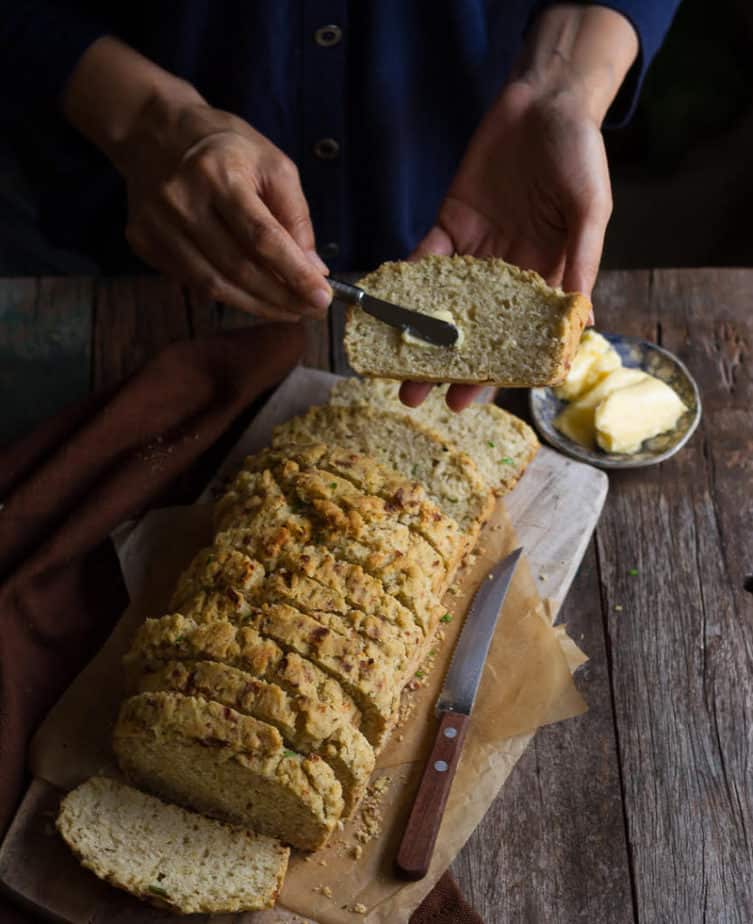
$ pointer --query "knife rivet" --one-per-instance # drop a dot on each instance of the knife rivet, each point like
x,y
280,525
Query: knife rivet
x,y
450,732
440,766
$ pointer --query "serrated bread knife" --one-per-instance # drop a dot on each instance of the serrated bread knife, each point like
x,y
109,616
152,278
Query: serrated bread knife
x,y
454,708
423,326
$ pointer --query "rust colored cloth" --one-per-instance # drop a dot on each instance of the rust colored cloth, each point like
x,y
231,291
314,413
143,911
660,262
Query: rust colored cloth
x,y
151,441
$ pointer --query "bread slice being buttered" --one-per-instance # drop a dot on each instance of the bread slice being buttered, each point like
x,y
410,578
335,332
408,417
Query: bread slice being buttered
x,y
167,855
501,444
516,330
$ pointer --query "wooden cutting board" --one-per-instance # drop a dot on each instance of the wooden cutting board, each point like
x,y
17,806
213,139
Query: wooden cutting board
x,y
554,509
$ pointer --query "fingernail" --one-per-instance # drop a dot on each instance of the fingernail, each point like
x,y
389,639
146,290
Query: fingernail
x,y
317,261
321,299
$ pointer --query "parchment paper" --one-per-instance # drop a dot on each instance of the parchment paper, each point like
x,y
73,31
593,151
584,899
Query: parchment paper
x,y
527,683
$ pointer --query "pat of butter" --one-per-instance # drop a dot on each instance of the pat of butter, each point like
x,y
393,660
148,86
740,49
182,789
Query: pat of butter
x,y
594,359
443,315
628,416
577,420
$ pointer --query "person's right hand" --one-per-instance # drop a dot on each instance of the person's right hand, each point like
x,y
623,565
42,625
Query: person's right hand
x,y
215,205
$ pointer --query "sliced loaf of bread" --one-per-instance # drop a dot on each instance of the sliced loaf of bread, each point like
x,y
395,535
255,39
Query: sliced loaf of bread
x,y
516,330
501,444
168,856
215,760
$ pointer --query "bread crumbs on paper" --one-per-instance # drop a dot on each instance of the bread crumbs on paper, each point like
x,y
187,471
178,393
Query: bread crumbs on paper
x,y
370,811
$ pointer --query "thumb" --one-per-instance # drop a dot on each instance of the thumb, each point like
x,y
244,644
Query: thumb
x,y
585,246
437,241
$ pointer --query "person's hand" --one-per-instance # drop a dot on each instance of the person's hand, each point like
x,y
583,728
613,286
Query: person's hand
x,y
221,210
211,202
533,186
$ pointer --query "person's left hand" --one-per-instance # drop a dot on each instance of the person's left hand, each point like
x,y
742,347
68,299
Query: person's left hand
x,y
532,188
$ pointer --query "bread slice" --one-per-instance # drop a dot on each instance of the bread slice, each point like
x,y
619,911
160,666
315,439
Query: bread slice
x,y
168,856
325,482
344,748
177,637
450,477
217,761
501,444
517,330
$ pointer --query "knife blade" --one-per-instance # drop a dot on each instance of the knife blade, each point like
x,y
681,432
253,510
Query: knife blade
x,y
424,326
454,707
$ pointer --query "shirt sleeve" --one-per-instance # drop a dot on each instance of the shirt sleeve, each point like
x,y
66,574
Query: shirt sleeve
x,y
651,20
40,44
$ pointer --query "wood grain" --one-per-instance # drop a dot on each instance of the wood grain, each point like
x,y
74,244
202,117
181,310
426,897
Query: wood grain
x,y
679,624
45,349
133,318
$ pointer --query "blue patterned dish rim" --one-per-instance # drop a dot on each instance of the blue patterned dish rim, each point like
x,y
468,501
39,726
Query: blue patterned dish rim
x,y
636,354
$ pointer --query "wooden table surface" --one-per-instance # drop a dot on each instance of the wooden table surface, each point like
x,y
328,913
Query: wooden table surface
x,y
642,809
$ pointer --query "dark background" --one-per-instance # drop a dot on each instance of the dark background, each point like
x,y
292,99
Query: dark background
x,y
682,171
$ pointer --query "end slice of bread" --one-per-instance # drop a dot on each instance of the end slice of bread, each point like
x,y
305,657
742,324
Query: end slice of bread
x,y
501,444
516,330
167,855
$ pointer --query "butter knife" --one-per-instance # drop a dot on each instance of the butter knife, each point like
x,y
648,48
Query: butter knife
x,y
454,708
423,326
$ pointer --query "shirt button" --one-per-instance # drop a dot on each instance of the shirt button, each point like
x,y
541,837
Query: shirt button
x,y
329,251
328,36
326,149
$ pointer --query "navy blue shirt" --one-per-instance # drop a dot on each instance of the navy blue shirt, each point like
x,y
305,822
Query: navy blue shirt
x,y
398,86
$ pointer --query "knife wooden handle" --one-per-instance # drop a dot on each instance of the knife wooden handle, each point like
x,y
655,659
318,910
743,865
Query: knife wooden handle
x,y
420,834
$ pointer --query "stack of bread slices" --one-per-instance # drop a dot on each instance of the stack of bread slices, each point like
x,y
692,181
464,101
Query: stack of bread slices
x,y
262,697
